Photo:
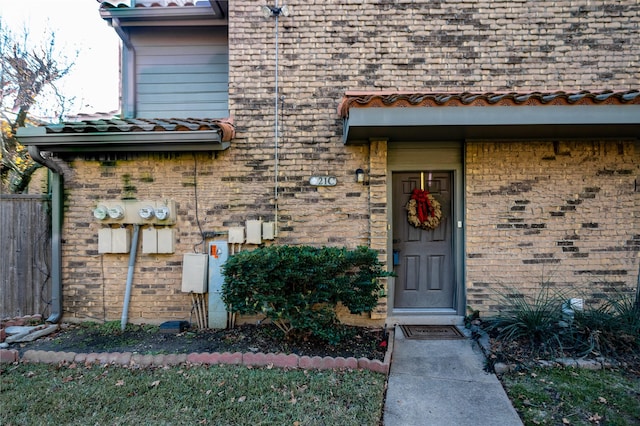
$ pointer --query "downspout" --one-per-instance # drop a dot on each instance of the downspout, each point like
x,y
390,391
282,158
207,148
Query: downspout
x,y
132,263
57,188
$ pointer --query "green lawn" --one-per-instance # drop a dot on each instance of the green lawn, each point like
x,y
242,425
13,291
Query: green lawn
x,y
567,396
41,394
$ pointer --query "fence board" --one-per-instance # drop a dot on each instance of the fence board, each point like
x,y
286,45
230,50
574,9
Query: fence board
x,y
25,247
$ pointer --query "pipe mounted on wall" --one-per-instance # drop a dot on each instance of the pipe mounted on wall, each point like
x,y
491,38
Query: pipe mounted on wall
x,y
56,190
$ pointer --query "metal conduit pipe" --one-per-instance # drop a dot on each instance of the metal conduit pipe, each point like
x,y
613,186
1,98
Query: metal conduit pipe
x,y
132,263
56,190
276,127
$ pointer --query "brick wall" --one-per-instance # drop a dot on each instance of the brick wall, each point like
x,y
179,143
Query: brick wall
x,y
560,213
211,194
431,46
327,48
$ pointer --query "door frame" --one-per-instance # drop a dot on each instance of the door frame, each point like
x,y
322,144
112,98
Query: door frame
x,y
416,157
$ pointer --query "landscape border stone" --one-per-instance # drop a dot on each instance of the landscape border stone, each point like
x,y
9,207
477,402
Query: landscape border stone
x,y
261,359
586,364
499,368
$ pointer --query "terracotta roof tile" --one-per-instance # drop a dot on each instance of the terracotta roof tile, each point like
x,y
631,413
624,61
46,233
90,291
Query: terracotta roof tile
x,y
402,99
155,3
117,125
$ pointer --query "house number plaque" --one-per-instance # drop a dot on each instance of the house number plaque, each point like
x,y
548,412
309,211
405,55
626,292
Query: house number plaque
x,y
323,180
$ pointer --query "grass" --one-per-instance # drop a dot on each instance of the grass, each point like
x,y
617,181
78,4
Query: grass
x,y
566,396
44,394
537,327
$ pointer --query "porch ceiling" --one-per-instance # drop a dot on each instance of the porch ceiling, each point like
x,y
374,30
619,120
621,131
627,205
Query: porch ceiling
x,y
489,116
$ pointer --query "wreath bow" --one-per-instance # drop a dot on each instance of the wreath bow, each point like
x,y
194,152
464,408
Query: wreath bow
x,y
424,211
423,205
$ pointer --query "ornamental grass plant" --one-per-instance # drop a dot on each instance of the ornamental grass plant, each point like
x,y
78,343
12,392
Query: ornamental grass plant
x,y
531,321
611,329
546,326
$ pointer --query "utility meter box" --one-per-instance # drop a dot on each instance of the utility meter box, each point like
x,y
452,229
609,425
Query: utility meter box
x,y
268,230
112,240
194,272
218,255
149,240
236,235
254,232
158,240
166,240
120,240
104,240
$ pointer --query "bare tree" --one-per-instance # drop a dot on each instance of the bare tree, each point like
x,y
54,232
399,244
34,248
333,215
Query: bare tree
x,y
25,74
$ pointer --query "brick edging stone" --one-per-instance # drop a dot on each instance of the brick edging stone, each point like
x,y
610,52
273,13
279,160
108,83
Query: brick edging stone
x,y
586,364
259,359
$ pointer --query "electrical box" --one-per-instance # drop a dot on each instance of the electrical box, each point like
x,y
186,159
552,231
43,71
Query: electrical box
x,y
254,232
104,240
120,240
268,230
149,240
160,212
218,255
236,235
114,240
166,240
194,272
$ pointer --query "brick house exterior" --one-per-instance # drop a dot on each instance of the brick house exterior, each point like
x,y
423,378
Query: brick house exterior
x,y
530,111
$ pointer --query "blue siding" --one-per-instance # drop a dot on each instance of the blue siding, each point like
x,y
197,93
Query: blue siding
x,y
181,72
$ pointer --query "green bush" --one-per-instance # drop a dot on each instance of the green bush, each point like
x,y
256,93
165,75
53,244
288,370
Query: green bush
x,y
533,319
539,326
612,328
298,287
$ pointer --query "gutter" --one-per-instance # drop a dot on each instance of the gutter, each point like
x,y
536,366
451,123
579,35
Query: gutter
x,y
56,188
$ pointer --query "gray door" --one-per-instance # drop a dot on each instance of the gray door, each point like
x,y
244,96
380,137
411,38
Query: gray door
x,y
423,259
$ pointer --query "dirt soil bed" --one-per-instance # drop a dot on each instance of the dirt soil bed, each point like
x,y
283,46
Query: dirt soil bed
x,y
86,338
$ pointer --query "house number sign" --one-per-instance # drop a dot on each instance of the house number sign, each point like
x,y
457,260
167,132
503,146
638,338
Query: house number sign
x,y
323,180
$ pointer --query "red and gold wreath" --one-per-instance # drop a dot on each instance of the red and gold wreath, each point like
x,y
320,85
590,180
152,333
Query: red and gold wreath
x,y
423,210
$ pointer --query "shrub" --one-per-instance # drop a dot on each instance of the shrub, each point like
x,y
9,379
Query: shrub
x,y
613,328
540,326
298,287
533,319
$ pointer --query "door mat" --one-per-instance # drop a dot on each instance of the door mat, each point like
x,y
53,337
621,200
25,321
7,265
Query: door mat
x,y
431,332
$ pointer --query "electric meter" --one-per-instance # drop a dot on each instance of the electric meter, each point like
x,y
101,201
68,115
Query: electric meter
x,y
115,212
146,212
100,213
162,212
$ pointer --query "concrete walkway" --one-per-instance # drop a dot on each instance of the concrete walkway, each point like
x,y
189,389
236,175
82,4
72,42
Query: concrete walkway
x,y
442,382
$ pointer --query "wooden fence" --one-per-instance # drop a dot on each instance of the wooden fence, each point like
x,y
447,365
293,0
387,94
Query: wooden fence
x,y
25,260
